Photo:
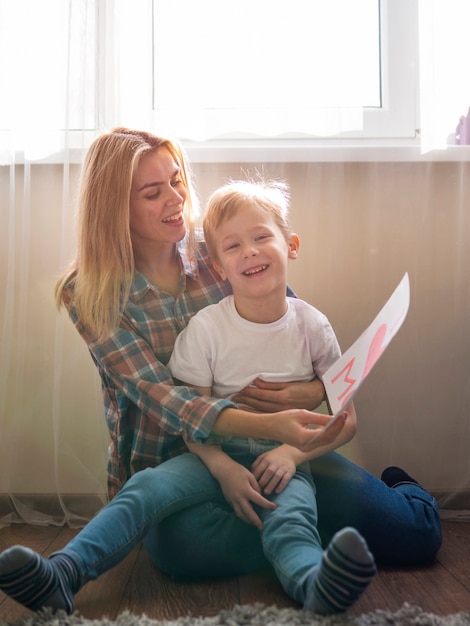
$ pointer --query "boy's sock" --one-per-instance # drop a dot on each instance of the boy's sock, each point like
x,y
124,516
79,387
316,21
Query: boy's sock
x,y
346,569
37,582
393,476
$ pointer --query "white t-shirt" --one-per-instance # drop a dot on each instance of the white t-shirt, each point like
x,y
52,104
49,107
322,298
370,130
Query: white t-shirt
x,y
222,350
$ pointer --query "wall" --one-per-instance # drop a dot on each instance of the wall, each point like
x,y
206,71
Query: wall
x,y
362,225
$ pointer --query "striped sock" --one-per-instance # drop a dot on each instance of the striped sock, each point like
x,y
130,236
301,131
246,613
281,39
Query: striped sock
x,y
36,582
346,569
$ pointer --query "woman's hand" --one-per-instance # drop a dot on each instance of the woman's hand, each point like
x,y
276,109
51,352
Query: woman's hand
x,y
297,427
305,430
271,397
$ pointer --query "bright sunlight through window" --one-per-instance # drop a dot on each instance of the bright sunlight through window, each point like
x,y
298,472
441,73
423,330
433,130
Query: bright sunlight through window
x,y
242,75
265,67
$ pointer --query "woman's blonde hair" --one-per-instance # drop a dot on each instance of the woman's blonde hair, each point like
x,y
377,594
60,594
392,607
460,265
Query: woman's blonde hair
x,y
268,195
103,269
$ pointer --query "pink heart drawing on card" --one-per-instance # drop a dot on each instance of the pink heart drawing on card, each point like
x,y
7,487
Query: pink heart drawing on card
x,y
377,346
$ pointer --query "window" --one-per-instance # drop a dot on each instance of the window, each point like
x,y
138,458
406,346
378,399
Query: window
x,y
239,75
296,69
48,75
51,73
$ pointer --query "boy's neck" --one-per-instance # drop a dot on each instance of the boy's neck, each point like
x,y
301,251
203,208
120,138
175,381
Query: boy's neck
x,y
263,310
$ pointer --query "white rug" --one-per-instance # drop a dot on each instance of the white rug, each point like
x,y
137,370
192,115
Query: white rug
x,y
259,615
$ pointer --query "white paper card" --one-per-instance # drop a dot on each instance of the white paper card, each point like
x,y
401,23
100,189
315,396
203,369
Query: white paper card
x,y
346,375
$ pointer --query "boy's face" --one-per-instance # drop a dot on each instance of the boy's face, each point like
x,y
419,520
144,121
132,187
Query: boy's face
x,y
253,252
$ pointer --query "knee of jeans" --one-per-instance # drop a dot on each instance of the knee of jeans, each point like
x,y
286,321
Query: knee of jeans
x,y
428,535
140,480
431,534
173,471
420,543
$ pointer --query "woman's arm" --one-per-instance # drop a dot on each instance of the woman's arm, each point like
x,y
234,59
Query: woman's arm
x,y
127,362
298,427
271,397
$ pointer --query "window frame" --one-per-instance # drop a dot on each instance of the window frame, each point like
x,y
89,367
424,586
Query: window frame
x,y
395,123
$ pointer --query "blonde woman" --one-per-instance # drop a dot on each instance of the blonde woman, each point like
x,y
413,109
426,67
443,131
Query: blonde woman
x,y
140,274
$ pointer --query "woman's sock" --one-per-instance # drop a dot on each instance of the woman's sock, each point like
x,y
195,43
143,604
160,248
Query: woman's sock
x,y
393,476
37,582
346,569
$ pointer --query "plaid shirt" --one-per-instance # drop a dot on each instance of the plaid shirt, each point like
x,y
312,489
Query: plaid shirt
x,y
147,415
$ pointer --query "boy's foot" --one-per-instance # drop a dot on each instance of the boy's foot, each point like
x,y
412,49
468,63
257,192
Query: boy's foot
x,y
393,476
346,569
36,582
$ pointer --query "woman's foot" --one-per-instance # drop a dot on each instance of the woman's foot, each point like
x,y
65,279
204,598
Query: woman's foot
x,y
346,570
393,476
36,582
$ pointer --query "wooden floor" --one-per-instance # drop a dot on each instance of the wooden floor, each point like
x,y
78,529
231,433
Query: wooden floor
x,y
137,586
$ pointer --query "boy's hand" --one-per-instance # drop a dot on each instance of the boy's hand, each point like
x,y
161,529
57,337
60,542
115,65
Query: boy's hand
x,y
274,469
241,489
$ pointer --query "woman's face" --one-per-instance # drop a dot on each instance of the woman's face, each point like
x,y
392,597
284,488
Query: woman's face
x,y
157,200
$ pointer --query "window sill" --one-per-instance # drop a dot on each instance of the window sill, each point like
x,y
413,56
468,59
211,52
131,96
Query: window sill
x,y
286,151
319,151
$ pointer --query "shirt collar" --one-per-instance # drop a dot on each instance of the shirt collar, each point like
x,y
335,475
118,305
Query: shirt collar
x,y
141,285
190,262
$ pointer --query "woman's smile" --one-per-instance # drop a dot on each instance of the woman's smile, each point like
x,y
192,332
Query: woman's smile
x,y
176,218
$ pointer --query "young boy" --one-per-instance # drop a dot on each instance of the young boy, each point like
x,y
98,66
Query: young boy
x,y
258,332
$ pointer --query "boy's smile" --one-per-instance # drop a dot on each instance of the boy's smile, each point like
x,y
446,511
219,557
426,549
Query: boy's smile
x,y
253,254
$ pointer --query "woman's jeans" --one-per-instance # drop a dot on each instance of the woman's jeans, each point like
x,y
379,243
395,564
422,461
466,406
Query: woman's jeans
x,y
290,540
190,532
401,525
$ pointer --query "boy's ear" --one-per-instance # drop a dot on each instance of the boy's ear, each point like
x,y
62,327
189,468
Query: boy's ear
x,y
218,268
294,244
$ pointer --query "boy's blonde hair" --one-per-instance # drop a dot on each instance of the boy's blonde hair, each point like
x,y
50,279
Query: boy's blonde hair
x,y
103,270
270,196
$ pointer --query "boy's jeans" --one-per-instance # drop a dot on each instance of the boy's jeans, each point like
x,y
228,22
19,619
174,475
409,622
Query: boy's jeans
x,y
290,538
204,538
401,525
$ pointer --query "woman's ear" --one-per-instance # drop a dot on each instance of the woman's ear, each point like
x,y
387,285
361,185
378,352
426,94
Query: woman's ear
x,y
294,243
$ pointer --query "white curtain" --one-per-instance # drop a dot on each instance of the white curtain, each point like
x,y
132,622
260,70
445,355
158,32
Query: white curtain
x,y
48,78
363,222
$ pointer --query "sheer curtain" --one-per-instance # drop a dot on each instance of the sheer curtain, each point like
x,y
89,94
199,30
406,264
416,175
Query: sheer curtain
x,y
364,218
50,448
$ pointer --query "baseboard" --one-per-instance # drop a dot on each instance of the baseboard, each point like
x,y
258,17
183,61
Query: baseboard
x,y
44,508
453,504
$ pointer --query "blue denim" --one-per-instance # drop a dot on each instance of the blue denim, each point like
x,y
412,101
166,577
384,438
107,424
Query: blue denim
x,y
290,540
401,525
179,512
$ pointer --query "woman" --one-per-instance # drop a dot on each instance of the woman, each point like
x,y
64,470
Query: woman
x,y
139,275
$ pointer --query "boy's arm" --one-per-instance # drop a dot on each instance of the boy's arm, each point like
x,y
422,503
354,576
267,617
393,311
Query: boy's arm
x,y
238,484
213,457
275,468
